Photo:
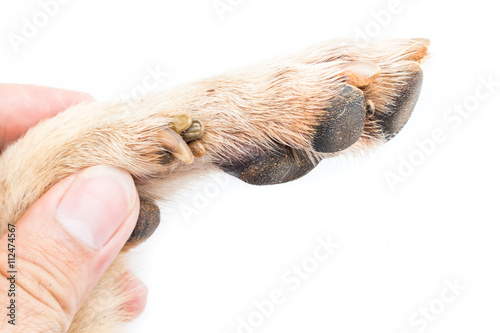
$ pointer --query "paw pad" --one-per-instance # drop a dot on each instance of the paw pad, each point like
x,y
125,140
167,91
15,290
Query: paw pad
x,y
392,121
147,222
273,168
342,123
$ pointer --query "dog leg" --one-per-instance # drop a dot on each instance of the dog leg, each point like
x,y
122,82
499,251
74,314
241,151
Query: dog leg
x,y
266,124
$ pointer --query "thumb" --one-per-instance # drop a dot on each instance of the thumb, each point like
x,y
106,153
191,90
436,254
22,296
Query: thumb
x,y
63,245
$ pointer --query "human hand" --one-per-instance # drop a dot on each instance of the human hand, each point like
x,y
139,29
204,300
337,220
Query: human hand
x,y
68,238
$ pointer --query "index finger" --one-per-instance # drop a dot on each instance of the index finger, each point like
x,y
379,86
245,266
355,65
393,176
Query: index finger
x,y
23,106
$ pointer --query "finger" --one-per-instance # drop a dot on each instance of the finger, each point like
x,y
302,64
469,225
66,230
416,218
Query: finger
x,y
68,239
23,106
138,293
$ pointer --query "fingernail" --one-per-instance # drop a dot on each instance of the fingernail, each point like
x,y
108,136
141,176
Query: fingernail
x,y
96,204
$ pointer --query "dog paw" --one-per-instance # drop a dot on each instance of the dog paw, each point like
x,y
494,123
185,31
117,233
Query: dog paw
x,y
339,127
350,100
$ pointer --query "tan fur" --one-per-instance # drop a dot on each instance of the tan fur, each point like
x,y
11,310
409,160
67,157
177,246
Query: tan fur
x,y
278,102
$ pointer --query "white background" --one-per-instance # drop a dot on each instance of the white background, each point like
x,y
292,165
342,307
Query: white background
x,y
398,246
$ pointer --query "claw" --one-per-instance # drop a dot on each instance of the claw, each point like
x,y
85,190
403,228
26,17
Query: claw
x,y
370,108
362,73
176,145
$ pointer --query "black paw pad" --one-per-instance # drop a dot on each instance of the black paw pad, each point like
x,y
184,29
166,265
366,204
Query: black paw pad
x,y
398,114
270,169
147,222
342,124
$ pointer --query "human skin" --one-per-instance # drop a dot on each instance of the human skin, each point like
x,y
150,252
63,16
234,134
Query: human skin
x,y
51,287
